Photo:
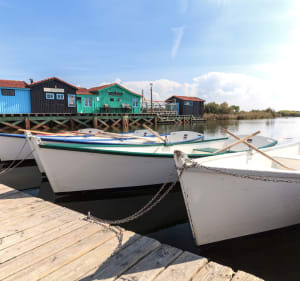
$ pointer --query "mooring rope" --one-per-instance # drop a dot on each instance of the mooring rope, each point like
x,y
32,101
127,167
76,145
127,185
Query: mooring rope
x,y
189,163
12,165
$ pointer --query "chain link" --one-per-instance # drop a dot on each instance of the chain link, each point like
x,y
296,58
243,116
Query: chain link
x,y
192,164
155,200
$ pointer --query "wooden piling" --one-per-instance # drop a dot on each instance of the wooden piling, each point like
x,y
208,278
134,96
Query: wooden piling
x,y
95,122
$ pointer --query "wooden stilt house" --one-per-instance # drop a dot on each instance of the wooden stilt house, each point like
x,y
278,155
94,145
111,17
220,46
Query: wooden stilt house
x,y
87,102
14,97
188,105
53,95
114,98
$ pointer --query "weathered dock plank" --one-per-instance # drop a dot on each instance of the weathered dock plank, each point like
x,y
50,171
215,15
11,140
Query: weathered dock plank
x,y
214,272
92,260
42,241
123,259
243,276
54,262
183,268
152,265
36,231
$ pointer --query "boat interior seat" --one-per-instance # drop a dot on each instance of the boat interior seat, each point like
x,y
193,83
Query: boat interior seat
x,y
207,149
292,161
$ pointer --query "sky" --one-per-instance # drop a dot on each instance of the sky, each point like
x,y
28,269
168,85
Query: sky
x,y
236,51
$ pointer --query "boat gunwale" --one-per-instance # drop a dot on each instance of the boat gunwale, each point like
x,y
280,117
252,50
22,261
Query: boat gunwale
x,y
85,139
268,172
71,147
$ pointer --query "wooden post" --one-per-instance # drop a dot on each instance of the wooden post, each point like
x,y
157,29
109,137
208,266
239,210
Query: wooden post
x,y
95,122
125,122
72,124
155,121
27,123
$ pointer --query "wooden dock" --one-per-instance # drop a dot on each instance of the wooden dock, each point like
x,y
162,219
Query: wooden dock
x,y
68,121
40,240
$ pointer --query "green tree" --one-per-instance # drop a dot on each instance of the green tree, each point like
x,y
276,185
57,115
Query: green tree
x,y
211,107
235,108
224,108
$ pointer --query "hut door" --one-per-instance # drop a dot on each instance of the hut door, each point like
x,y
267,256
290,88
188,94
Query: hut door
x,y
177,106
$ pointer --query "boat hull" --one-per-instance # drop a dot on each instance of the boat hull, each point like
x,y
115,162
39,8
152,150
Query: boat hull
x,y
72,168
64,170
14,148
223,206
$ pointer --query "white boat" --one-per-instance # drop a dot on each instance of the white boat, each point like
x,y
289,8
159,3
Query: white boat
x,y
15,147
229,196
77,167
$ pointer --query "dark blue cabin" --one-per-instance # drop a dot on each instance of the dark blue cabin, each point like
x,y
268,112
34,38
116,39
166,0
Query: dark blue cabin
x,y
53,95
14,97
188,105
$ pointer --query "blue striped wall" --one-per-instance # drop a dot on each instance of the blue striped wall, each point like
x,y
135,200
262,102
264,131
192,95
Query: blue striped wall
x,y
20,103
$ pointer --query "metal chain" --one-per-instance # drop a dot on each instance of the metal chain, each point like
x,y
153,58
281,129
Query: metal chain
x,y
11,166
155,200
13,162
192,164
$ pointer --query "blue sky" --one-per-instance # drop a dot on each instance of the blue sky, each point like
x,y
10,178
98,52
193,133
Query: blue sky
x,y
240,51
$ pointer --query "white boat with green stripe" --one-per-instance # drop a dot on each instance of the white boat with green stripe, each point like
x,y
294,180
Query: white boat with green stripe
x,y
78,167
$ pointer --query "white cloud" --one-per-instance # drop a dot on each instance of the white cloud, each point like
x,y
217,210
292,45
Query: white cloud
x,y
234,88
178,34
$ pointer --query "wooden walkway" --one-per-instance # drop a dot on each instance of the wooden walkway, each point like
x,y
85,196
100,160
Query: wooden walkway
x,y
43,241
65,121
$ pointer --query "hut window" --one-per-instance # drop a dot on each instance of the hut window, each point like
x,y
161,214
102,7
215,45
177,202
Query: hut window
x,y
49,96
118,99
188,103
88,101
115,93
135,102
71,101
111,99
8,92
60,96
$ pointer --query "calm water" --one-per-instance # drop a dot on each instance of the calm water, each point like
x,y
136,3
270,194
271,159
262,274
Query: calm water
x,y
272,256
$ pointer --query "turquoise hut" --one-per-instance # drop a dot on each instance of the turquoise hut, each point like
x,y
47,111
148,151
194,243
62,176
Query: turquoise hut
x,y
87,102
114,98
14,97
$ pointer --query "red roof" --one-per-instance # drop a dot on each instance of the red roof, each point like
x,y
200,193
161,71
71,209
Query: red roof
x,y
94,89
51,78
12,83
109,85
83,91
186,98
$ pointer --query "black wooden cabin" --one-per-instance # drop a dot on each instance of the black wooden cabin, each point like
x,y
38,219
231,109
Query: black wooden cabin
x,y
53,95
188,105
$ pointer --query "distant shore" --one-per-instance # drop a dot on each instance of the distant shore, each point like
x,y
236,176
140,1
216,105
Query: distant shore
x,y
250,115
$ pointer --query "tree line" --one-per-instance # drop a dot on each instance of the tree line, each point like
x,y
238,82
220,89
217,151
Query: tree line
x,y
224,111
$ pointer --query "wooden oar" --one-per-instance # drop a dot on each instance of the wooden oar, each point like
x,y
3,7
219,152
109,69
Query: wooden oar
x,y
120,136
43,133
236,142
259,151
103,134
154,133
